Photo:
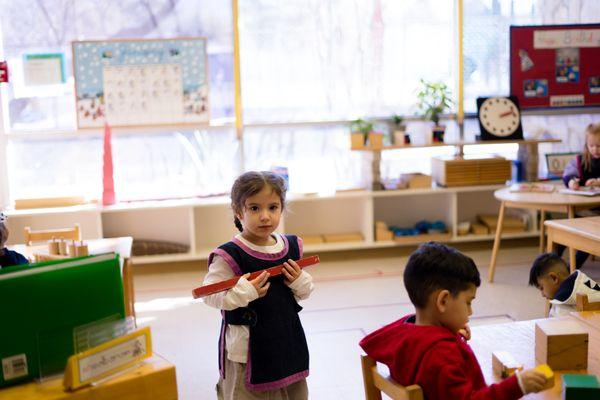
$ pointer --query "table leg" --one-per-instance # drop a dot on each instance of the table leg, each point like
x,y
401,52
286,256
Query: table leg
x,y
571,249
542,230
128,289
496,242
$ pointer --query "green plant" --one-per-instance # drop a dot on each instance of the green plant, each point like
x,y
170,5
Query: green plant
x,y
398,121
434,99
361,126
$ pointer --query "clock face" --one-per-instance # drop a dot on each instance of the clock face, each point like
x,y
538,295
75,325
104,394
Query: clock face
x,y
499,116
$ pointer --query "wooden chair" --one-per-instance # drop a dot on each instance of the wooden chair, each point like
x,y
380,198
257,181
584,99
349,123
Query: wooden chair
x,y
583,303
375,383
45,235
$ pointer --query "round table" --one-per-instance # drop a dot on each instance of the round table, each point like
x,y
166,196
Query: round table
x,y
543,202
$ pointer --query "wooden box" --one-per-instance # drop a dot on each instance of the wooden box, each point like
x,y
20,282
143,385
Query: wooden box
x,y
504,364
414,181
510,224
343,237
426,237
562,344
460,171
479,229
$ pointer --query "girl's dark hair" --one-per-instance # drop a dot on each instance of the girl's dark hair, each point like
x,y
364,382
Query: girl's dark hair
x,y
586,158
436,266
250,183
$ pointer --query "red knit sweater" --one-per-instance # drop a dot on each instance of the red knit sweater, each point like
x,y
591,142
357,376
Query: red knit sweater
x,y
436,359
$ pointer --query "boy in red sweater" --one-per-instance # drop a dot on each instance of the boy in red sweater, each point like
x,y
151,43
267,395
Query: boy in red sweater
x,y
429,348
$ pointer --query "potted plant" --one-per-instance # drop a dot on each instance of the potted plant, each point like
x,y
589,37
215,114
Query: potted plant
x,y
362,132
434,99
399,130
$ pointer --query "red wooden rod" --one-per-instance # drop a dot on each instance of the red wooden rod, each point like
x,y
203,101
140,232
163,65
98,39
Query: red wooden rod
x,y
228,284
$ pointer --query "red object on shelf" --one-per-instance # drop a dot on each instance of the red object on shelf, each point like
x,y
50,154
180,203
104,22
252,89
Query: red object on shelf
x,y
3,71
228,284
108,191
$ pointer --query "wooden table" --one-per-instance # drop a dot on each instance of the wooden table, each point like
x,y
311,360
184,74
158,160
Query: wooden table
x,y
518,338
543,202
153,379
120,245
580,234
591,318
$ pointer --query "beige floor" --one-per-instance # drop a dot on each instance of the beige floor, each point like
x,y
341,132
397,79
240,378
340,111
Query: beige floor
x,y
355,294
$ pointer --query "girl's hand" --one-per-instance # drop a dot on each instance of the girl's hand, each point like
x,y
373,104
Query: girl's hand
x,y
592,182
574,184
260,283
465,332
291,271
533,381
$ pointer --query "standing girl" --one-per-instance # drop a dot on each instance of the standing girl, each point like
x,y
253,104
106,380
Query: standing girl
x,y
262,348
584,170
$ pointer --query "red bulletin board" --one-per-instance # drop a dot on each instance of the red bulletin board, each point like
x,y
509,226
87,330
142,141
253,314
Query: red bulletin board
x,y
555,65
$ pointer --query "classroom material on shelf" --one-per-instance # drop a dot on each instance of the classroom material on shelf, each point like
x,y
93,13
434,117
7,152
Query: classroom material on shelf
x,y
342,237
47,301
49,202
422,231
382,232
510,223
548,374
415,180
134,82
532,187
582,191
504,364
563,345
479,229
463,228
452,171
228,284
580,387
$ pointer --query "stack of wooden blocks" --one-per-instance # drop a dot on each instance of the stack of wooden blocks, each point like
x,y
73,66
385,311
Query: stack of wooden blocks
x,y
453,171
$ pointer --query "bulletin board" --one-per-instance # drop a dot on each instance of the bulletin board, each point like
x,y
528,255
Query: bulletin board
x,y
555,66
141,82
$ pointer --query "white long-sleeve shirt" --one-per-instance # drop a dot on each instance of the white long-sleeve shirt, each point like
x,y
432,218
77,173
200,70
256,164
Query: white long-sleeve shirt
x,y
236,336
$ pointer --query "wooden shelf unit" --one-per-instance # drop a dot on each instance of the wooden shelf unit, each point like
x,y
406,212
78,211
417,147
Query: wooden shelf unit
x,y
203,224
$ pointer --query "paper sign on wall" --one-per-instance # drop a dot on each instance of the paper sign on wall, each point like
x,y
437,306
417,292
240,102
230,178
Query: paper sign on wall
x,y
43,69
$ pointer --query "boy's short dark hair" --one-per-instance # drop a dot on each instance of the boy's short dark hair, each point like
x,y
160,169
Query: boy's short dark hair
x,y
542,265
437,266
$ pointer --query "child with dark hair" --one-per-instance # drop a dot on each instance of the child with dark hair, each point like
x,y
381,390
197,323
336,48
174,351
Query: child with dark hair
x,y
8,257
429,348
550,274
262,348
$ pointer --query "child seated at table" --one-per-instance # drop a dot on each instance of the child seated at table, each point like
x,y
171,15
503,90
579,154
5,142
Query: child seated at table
x,y
8,257
429,349
550,274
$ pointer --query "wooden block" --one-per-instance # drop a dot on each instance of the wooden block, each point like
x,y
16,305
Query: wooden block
x,y
382,235
510,224
312,239
548,373
343,237
381,225
504,364
415,239
479,229
415,181
561,344
460,171
583,303
580,387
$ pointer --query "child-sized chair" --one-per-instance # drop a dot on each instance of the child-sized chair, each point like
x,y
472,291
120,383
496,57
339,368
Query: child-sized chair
x,y
45,235
375,383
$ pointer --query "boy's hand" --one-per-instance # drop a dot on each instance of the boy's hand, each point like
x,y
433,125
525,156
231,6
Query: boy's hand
x,y
291,271
465,332
574,184
592,182
260,283
533,381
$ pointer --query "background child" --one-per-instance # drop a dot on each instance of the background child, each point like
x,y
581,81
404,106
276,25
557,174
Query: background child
x,y
262,348
550,274
8,257
429,348
584,170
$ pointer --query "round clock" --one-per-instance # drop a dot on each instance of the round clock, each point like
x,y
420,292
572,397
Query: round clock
x,y
499,118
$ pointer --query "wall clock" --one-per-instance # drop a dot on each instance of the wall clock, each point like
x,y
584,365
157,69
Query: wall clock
x,y
499,118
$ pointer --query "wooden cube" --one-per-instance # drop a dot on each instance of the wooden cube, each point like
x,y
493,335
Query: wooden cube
x,y
562,344
382,235
479,229
580,387
504,364
414,181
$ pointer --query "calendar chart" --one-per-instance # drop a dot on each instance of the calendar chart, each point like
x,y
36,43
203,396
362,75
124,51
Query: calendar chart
x,y
141,82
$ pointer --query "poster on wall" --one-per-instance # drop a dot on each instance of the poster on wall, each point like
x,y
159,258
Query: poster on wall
x,y
555,66
140,82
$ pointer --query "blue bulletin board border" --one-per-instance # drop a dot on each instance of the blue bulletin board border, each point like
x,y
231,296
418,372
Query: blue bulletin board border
x,y
90,57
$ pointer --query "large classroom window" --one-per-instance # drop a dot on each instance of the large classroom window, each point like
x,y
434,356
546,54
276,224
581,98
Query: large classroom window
x,y
307,68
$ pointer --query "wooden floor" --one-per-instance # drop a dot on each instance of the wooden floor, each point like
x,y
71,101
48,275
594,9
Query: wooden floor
x,y
354,295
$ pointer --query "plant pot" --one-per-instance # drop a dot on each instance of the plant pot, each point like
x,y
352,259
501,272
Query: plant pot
x,y
376,141
399,138
357,141
438,133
